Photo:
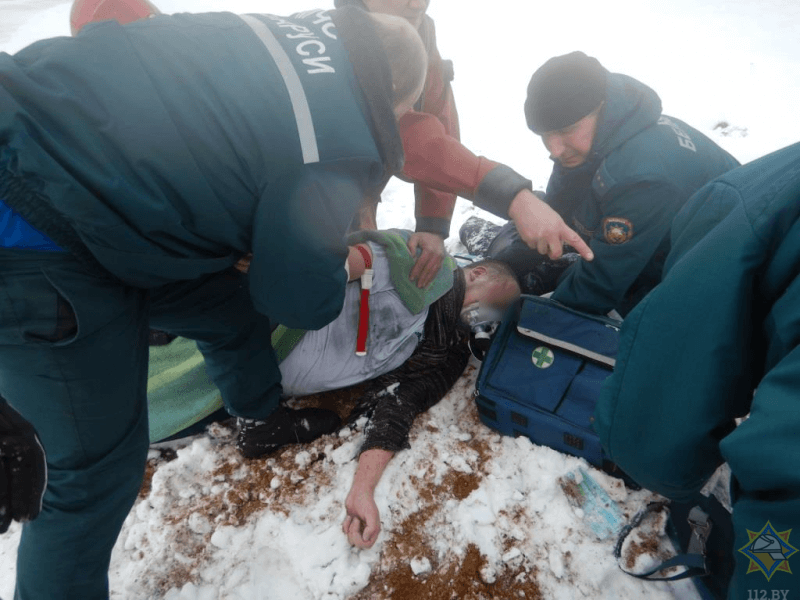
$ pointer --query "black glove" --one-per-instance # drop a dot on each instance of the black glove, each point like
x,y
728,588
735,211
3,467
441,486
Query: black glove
x,y
23,468
542,277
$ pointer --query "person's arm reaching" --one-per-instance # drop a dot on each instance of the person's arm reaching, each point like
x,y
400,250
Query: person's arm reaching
x,y
435,159
601,285
542,228
429,262
434,208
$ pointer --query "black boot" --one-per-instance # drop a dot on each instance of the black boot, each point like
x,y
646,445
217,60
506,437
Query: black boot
x,y
284,426
476,234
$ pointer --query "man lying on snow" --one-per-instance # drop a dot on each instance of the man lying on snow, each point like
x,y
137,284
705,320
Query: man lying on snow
x,y
416,348
138,163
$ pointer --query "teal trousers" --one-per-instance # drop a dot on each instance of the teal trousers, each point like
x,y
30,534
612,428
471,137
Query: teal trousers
x,y
73,361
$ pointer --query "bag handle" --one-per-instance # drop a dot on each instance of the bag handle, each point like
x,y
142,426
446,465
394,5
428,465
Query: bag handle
x,y
694,559
568,346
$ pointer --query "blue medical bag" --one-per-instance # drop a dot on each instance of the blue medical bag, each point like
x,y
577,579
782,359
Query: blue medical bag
x,y
542,374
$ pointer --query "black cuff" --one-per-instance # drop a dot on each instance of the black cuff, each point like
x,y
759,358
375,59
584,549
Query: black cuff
x,y
438,225
499,188
389,446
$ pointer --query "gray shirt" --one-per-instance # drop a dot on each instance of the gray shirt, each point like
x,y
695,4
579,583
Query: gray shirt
x,y
325,359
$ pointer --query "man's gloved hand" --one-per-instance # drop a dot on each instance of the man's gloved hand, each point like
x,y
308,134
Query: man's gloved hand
x,y
23,468
544,274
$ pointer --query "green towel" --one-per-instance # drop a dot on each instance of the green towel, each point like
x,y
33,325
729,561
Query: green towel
x,y
400,264
284,340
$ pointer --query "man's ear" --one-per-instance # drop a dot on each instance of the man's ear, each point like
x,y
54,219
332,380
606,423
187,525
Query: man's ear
x,y
476,272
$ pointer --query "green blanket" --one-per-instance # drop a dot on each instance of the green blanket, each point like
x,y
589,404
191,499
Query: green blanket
x,y
179,391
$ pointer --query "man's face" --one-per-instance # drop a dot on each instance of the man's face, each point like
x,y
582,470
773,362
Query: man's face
x,y
485,290
570,146
410,10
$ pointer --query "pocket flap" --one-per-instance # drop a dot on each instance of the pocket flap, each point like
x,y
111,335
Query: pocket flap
x,y
588,336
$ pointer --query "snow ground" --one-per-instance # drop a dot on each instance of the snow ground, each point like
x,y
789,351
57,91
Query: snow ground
x,y
472,513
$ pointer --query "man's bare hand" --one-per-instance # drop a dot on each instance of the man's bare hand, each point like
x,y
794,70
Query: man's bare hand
x,y
430,260
363,522
542,228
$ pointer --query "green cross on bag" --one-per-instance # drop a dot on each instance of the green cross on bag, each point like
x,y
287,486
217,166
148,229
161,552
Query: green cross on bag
x,y
542,357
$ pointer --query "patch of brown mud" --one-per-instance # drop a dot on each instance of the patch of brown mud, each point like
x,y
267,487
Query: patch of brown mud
x,y
650,541
293,476
341,401
650,546
454,578
451,576
237,490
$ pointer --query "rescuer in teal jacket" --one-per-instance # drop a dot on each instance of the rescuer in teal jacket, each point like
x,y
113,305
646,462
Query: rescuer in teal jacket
x,y
137,165
622,171
717,340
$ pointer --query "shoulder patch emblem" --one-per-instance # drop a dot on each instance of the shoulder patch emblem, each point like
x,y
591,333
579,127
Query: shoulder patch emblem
x,y
617,230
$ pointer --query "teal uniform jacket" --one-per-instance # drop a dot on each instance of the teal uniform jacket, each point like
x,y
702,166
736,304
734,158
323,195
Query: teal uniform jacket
x,y
155,155
715,341
193,140
642,168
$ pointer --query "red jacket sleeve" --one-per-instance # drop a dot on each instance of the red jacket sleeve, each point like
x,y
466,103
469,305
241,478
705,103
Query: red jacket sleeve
x,y
436,161
439,161
434,208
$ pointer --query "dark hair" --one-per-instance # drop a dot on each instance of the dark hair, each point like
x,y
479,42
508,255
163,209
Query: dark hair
x,y
563,91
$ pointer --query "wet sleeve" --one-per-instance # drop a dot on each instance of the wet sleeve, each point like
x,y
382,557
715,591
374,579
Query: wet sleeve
x,y
394,400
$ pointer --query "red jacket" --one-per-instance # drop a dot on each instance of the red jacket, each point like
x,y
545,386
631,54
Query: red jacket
x,y
436,161
124,11
437,118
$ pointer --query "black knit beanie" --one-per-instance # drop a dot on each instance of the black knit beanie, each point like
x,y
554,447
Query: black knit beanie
x,y
563,91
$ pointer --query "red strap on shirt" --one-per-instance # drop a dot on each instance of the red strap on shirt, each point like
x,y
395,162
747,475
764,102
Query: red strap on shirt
x,y
363,313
